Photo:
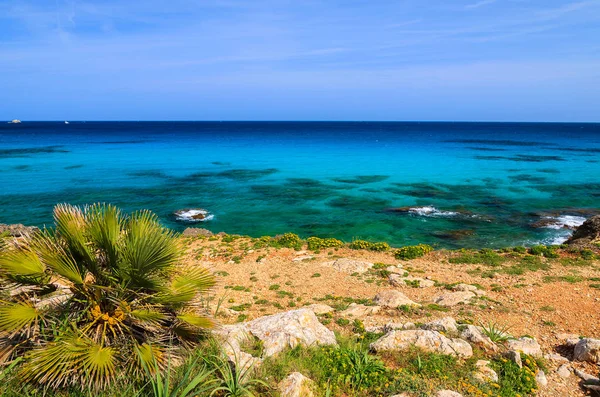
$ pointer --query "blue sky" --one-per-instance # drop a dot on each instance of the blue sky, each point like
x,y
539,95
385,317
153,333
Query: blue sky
x,y
503,60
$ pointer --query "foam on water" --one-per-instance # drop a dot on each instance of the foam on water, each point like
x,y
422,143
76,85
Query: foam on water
x,y
431,211
563,222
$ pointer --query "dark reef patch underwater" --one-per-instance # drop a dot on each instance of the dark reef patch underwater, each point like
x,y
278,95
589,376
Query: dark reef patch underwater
x,y
404,183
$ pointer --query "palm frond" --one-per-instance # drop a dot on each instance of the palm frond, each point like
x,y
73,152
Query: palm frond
x,y
17,316
56,257
198,277
148,315
148,249
21,261
72,228
196,320
71,360
104,227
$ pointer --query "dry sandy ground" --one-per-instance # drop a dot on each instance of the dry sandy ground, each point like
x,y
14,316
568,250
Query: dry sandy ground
x,y
530,304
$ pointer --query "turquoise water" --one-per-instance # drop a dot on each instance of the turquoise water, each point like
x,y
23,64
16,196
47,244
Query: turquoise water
x,y
466,184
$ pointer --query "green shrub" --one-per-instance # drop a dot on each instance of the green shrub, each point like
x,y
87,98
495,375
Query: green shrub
x,y
360,245
316,243
484,256
515,381
542,250
289,240
380,247
412,251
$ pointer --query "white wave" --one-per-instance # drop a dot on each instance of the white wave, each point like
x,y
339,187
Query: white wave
x,y
564,222
430,211
193,215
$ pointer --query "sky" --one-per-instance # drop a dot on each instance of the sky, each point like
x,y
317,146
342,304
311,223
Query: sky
x,y
436,60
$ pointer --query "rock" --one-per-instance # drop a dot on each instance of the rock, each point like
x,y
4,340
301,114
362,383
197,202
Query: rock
x,y
395,269
233,336
289,329
484,372
303,258
278,331
399,280
193,215
525,345
349,266
587,349
586,377
319,308
556,357
586,233
563,371
468,287
18,230
540,378
393,298
296,385
447,393
515,357
446,324
359,310
196,232
431,341
454,298
476,336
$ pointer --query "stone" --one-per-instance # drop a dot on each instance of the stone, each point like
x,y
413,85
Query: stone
x,y
431,341
360,310
289,329
454,298
484,372
515,357
395,269
296,385
587,233
563,371
540,378
475,335
18,230
319,308
525,345
196,232
586,377
445,324
393,298
468,287
303,258
399,280
277,332
587,349
193,215
556,357
447,393
349,266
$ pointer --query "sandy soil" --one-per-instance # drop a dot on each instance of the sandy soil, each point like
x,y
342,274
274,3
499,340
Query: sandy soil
x,y
536,303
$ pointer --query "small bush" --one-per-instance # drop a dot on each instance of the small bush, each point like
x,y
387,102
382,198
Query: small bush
x,y
542,250
316,243
360,245
289,240
412,251
485,256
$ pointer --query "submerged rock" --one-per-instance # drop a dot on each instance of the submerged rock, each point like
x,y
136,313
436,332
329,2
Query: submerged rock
x,y
431,341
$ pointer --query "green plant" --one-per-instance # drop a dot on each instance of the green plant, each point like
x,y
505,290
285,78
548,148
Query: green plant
x,y
91,293
316,243
515,381
412,251
353,367
485,256
360,245
235,378
289,240
496,333
161,386
542,250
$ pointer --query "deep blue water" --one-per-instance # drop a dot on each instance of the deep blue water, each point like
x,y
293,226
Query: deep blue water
x,y
488,182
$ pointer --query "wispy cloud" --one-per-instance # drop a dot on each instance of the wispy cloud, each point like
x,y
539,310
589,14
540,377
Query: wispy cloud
x,y
479,4
554,13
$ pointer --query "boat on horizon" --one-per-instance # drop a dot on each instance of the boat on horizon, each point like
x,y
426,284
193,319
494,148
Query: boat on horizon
x,y
15,121
66,122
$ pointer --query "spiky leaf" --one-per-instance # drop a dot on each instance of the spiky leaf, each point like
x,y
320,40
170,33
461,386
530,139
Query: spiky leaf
x,y
16,316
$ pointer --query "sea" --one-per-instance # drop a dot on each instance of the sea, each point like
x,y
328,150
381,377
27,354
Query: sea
x,y
450,185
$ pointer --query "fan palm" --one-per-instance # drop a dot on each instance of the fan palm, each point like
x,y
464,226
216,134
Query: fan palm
x,y
102,294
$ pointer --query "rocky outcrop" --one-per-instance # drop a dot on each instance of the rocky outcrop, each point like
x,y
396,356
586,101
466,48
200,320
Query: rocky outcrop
x,y
320,308
277,332
399,280
484,372
393,299
296,385
587,349
349,266
360,310
196,232
525,345
447,393
446,324
193,215
17,230
475,335
454,298
586,233
431,341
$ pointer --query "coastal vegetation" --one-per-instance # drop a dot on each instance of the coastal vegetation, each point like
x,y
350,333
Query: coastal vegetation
x,y
114,305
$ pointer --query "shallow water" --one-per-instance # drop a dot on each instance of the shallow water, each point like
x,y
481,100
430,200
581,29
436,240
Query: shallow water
x,y
468,184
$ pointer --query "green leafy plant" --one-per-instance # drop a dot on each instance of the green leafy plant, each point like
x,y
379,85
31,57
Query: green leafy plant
x,y
235,380
161,384
90,294
413,251
496,333
353,367
289,240
316,243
